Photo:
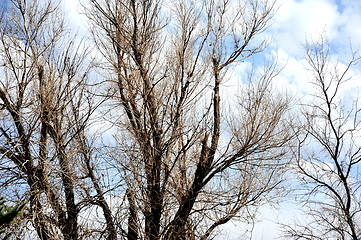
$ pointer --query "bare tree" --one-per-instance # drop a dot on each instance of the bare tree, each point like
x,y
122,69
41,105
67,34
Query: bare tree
x,y
329,157
45,109
189,162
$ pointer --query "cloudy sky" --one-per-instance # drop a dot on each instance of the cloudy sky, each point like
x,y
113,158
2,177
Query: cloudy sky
x,y
295,22
299,20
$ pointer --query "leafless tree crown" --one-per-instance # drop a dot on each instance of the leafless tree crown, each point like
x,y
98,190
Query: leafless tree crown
x,y
328,159
181,161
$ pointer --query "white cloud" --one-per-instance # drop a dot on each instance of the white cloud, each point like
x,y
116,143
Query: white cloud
x,y
294,77
74,16
349,23
297,20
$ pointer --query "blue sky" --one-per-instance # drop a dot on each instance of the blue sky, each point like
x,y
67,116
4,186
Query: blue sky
x,y
3,4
